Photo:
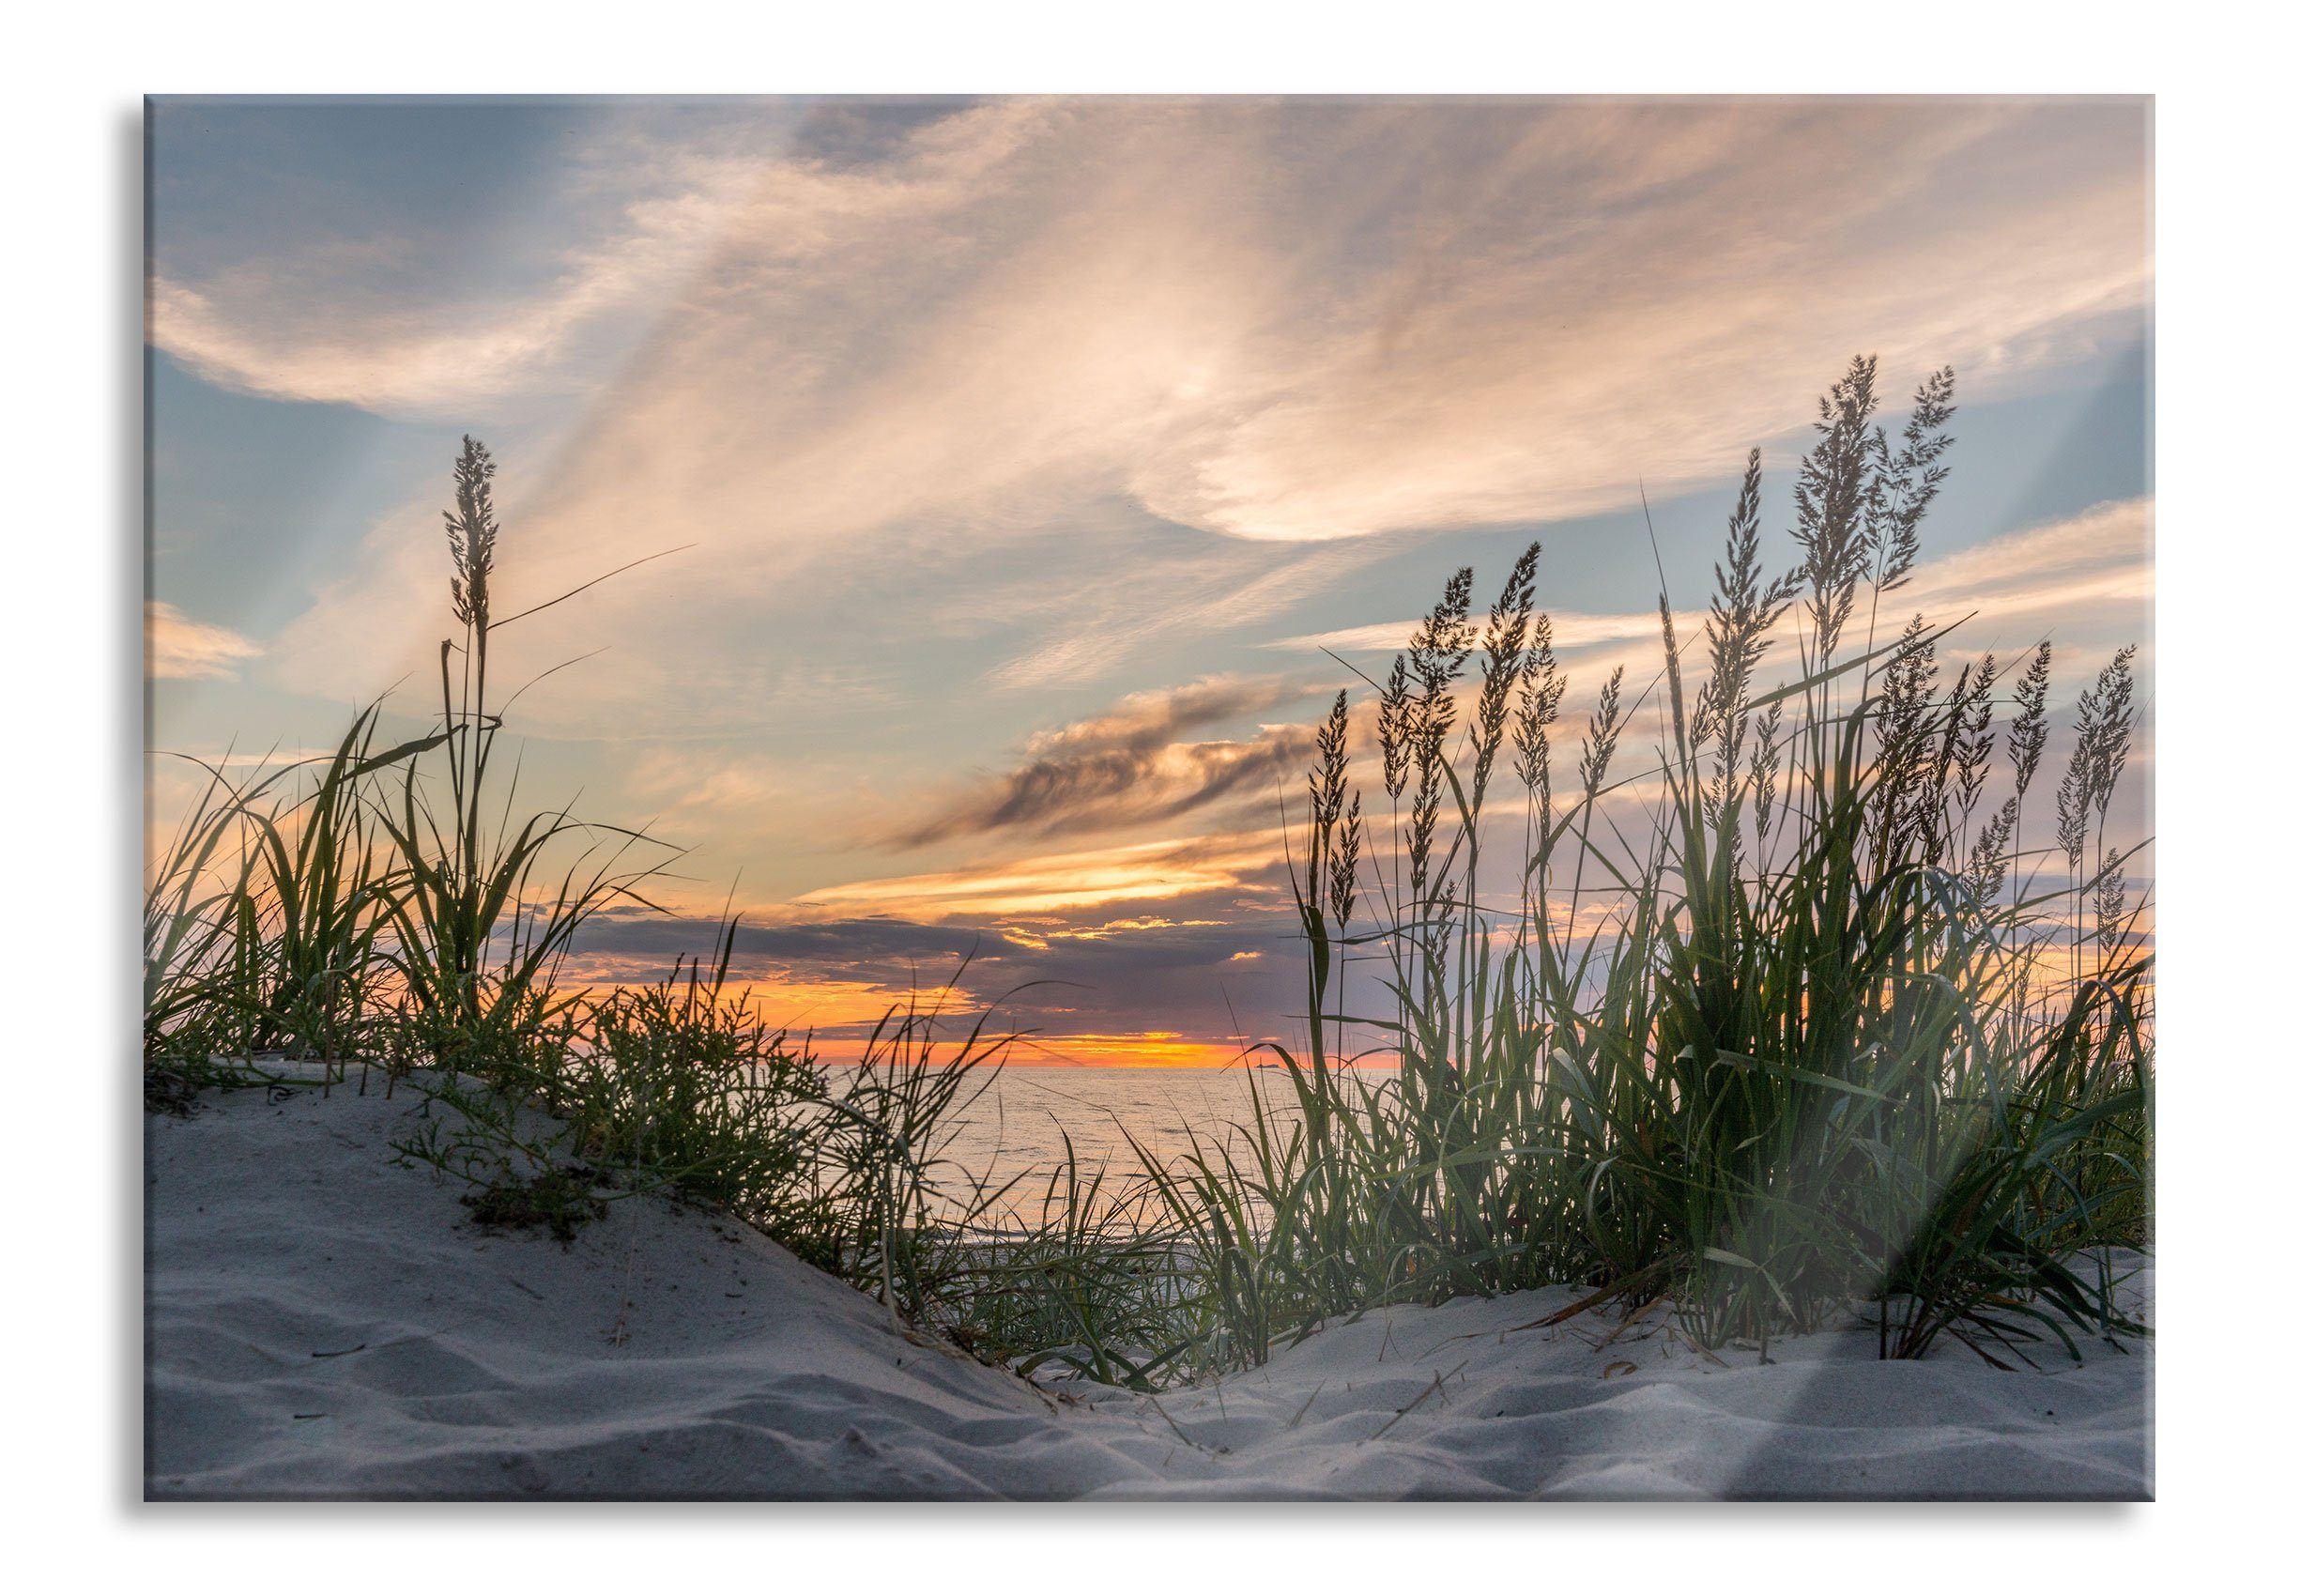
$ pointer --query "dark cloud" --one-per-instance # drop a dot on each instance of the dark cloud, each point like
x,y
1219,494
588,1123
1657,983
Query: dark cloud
x,y
833,941
1127,765
1202,967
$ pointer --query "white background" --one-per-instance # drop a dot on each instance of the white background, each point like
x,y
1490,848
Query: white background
x,y
70,376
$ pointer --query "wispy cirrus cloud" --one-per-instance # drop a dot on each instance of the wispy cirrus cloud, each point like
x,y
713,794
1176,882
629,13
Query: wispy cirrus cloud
x,y
2082,572
1085,286
1268,321
180,649
411,312
2084,569
1568,630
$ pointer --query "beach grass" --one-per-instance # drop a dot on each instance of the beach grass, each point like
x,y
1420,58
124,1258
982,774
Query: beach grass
x,y
1797,1016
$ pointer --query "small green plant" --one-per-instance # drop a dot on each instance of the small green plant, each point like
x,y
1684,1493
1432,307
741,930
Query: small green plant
x,y
562,1200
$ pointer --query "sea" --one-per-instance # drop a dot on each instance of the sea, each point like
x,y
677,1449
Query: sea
x,y
1018,1121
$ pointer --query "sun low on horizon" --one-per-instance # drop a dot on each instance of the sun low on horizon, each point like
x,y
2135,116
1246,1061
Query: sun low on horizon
x,y
994,493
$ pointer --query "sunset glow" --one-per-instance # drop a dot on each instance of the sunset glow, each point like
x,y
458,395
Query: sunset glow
x,y
1048,465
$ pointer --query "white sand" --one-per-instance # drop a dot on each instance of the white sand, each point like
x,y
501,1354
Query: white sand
x,y
321,1323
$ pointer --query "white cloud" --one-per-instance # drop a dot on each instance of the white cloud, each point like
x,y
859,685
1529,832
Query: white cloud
x,y
1568,630
183,649
2088,569
1269,321
2081,570
409,320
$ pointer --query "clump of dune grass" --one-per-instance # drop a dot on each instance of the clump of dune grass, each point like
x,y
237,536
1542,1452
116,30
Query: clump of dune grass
x,y
671,1087
1779,1024
264,914
194,884
307,909
1071,1269
394,909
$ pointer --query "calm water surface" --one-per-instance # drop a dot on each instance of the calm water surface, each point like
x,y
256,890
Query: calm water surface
x,y
1019,1123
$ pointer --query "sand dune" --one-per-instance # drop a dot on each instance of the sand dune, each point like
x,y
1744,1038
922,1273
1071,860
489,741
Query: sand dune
x,y
321,1323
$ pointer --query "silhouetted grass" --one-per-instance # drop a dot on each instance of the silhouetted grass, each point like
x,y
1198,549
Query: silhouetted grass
x,y
392,909
1822,1046
1782,1022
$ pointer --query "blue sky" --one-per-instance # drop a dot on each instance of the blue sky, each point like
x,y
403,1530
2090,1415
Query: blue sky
x,y
1030,435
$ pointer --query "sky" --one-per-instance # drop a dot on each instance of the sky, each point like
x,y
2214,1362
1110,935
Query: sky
x,y
1041,468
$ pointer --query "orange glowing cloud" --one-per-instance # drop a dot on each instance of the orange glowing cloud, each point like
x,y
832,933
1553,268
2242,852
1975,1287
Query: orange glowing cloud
x,y
1141,872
